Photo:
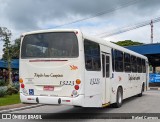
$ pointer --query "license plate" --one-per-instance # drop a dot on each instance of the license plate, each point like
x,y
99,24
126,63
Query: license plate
x,y
48,88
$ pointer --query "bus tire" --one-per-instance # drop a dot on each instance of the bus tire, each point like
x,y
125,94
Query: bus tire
x,y
142,90
119,98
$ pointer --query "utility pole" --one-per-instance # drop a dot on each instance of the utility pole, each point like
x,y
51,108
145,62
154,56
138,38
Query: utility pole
x,y
151,31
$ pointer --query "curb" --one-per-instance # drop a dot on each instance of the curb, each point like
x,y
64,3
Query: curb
x,y
21,108
154,88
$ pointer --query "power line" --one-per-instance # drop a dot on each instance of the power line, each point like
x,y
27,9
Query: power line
x,y
101,13
128,28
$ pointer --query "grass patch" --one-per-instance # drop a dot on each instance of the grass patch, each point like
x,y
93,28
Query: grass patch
x,y
9,99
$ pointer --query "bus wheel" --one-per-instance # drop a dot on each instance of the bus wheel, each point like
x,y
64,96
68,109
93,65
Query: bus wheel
x,y
142,90
119,98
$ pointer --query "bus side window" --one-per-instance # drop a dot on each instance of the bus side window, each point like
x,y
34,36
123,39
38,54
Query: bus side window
x,y
134,64
107,66
92,56
143,66
88,63
118,61
127,62
103,65
139,65
113,62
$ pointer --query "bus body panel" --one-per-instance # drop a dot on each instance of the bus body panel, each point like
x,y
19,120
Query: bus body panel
x,y
77,101
93,86
130,87
60,75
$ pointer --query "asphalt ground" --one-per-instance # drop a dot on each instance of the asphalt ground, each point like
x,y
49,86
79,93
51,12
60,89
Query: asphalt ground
x,y
152,86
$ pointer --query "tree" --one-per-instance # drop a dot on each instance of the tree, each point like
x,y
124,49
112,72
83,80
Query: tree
x,y
14,50
127,43
5,35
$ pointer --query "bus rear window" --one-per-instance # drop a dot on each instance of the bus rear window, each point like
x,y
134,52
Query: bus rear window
x,y
50,45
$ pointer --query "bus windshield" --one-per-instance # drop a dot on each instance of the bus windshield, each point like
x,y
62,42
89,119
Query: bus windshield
x,y
50,45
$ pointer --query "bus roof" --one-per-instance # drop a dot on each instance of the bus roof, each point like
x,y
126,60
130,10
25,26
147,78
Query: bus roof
x,y
114,46
50,30
93,38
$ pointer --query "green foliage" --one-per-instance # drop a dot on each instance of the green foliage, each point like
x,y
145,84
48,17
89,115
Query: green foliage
x,y
5,35
127,43
9,91
12,90
13,50
16,85
9,50
3,91
2,82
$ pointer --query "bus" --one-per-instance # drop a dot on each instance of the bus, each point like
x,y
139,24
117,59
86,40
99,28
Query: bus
x,y
67,67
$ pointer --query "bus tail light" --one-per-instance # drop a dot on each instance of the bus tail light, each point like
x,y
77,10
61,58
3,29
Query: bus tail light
x,y
78,81
21,80
76,87
22,85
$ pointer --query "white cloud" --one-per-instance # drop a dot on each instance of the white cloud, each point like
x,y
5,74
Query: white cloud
x,y
25,15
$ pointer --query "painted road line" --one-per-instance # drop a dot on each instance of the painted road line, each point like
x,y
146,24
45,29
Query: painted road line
x,y
21,108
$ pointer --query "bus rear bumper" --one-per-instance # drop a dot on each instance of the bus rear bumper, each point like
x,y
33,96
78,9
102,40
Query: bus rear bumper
x,y
77,101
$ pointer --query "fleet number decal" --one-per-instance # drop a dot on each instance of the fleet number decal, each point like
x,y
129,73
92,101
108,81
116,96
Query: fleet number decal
x,y
133,77
67,83
94,81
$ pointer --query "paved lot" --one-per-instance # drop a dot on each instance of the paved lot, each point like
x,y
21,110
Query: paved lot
x,y
148,103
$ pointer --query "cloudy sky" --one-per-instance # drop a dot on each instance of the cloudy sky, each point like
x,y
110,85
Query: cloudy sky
x,y
27,15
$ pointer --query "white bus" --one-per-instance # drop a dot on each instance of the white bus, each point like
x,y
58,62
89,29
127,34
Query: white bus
x,y
67,67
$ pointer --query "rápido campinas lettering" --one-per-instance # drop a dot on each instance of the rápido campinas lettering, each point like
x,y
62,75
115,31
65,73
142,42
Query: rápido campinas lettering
x,y
38,75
